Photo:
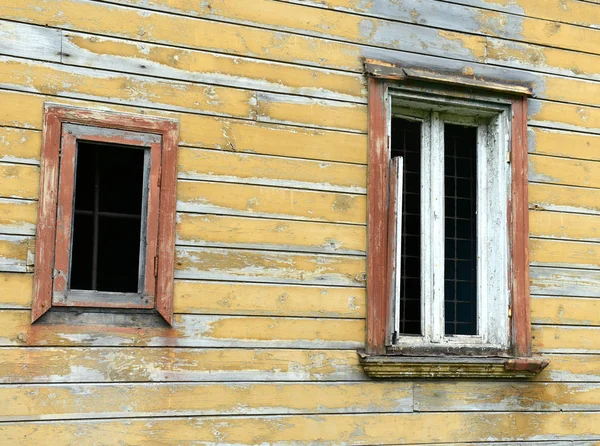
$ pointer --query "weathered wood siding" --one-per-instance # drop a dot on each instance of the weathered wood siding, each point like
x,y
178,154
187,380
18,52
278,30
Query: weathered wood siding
x,y
271,226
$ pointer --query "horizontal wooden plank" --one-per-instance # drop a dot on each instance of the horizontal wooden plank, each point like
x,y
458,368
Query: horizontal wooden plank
x,y
261,233
20,145
15,290
565,310
500,397
568,11
210,132
542,58
212,165
456,23
19,181
564,144
76,401
16,253
120,329
105,19
565,282
35,42
269,266
564,198
564,226
571,367
204,67
546,252
268,300
569,172
84,83
298,18
365,429
563,339
272,202
153,364
564,116
466,19
17,216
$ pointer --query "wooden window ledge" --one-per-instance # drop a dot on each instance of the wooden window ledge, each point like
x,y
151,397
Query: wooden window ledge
x,y
398,367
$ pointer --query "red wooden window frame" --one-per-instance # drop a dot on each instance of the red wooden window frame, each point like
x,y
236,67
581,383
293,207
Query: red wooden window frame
x,y
53,238
379,272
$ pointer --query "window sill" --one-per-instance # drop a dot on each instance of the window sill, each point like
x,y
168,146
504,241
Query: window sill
x,y
398,367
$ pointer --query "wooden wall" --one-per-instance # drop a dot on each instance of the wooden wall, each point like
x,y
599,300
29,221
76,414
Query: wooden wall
x,y
271,229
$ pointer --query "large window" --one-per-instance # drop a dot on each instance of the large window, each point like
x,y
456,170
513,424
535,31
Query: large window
x,y
106,214
448,226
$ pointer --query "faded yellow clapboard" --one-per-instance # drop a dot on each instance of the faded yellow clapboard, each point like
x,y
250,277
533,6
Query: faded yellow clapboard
x,y
564,225
19,145
570,172
566,144
210,132
564,198
380,429
133,364
565,339
268,299
565,310
19,181
263,201
187,399
564,253
99,329
15,290
263,233
17,216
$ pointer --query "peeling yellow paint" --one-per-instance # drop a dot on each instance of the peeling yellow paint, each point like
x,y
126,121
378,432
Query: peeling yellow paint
x,y
268,300
15,290
19,144
475,44
260,232
19,181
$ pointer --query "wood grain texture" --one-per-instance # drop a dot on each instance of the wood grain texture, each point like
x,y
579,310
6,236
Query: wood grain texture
x,y
518,397
269,266
17,216
564,339
15,290
564,226
268,300
564,198
105,329
366,429
16,253
156,364
565,282
262,233
565,144
545,252
20,145
70,401
569,172
211,132
19,181
212,165
271,202
563,310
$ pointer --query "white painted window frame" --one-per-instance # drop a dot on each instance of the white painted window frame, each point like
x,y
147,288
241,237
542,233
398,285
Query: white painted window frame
x,y
492,117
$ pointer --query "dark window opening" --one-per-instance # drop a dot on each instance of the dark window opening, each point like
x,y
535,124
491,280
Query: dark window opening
x,y
406,142
460,272
107,226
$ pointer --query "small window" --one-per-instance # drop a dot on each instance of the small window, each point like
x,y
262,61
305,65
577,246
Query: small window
x,y
449,252
447,275
106,215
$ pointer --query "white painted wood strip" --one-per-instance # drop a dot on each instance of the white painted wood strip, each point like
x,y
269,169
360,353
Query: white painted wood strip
x,y
34,42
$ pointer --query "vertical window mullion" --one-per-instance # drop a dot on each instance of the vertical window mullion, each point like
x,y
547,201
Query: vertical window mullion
x,y
436,216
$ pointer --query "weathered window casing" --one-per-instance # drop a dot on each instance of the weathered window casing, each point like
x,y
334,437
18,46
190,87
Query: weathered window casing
x,y
500,111
63,128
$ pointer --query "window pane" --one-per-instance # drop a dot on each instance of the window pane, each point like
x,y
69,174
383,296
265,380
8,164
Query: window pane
x,y
107,217
460,284
406,142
